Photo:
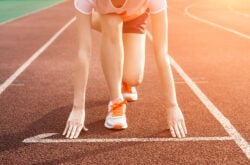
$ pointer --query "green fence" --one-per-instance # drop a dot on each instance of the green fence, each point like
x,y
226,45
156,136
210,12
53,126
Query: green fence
x,y
11,9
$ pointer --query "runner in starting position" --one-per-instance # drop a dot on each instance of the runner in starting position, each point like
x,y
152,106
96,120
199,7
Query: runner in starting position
x,y
123,27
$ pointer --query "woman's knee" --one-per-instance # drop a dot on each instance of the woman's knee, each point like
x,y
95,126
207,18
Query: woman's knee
x,y
133,80
111,23
111,28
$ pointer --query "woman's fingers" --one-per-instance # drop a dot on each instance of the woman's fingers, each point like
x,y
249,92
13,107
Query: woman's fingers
x,y
73,129
178,129
184,126
66,128
172,131
177,132
78,131
85,129
75,124
69,130
80,127
176,122
181,129
73,132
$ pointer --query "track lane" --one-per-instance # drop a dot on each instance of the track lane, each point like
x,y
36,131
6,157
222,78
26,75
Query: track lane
x,y
222,58
21,38
219,16
36,108
42,106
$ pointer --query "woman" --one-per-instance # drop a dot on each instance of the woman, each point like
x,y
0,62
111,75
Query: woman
x,y
122,23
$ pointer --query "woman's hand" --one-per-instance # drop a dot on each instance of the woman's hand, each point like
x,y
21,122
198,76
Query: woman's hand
x,y
76,118
176,122
75,123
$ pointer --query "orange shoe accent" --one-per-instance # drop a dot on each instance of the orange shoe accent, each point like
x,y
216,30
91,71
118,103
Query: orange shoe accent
x,y
117,127
117,108
129,93
126,88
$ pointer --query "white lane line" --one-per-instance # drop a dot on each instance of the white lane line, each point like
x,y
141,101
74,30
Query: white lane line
x,y
10,80
42,139
230,129
237,12
33,12
197,82
187,12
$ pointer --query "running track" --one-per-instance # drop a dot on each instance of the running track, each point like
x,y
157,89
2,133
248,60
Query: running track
x,y
209,46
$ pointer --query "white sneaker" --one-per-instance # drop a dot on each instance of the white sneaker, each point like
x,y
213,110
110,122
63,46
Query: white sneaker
x,y
116,118
129,93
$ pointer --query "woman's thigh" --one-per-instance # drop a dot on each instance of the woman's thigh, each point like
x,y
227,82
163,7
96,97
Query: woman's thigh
x,y
134,58
134,52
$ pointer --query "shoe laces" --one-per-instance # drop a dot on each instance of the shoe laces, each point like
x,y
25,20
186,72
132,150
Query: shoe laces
x,y
117,108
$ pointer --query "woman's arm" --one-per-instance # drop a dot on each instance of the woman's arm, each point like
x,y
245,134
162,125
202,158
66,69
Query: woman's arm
x,y
176,121
83,23
76,118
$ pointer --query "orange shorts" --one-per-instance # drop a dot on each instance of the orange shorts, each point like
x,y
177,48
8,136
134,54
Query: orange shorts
x,y
137,25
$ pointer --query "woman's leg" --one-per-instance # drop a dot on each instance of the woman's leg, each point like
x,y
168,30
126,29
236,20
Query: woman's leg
x,y
134,53
134,49
112,53
134,58
134,36
96,21
112,62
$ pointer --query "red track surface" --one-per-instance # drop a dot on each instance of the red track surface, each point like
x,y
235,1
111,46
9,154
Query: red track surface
x,y
40,99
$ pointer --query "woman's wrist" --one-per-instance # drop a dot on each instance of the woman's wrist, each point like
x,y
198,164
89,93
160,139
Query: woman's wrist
x,y
78,107
172,106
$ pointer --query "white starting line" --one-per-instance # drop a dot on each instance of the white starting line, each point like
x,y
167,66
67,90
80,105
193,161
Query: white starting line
x,y
43,138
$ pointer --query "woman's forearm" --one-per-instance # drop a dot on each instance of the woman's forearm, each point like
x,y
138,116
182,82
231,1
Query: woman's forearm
x,y
166,77
81,67
160,43
81,72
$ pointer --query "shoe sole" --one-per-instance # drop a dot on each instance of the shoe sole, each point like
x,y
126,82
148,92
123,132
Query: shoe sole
x,y
116,127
